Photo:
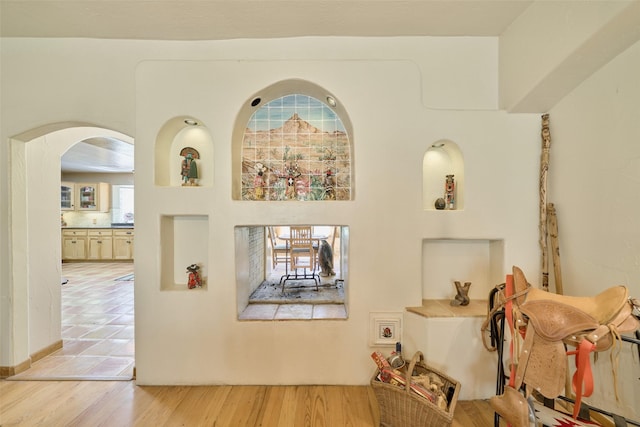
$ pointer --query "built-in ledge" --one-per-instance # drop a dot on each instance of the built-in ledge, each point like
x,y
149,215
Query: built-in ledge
x,y
443,308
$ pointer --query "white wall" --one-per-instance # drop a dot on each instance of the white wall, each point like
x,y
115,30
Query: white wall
x,y
594,181
386,220
401,96
553,46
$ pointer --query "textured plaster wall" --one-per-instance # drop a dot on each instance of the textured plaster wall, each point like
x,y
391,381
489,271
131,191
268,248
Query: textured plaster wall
x,y
401,94
387,224
594,181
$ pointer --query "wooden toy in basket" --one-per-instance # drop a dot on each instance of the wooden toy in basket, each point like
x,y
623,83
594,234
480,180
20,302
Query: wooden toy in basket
x,y
405,402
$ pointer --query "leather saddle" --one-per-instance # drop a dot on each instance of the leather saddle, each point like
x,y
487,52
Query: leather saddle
x,y
550,322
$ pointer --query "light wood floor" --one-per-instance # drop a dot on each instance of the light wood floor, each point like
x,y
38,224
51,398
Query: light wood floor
x,y
123,403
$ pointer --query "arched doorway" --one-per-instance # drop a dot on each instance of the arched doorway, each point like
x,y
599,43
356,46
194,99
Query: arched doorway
x,y
36,237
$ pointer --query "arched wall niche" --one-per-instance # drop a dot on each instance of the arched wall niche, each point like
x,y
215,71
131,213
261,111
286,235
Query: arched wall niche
x,y
442,158
317,161
175,135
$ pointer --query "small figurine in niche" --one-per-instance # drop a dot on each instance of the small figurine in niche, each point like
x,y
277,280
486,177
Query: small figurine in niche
x,y
462,296
449,192
189,169
325,259
194,276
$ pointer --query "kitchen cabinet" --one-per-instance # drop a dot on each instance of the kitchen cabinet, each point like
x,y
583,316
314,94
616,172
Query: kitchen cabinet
x,y
97,244
92,197
74,245
67,196
123,244
100,244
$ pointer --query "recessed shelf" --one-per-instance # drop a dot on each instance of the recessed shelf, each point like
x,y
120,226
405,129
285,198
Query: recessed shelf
x,y
177,134
443,308
442,158
444,261
184,240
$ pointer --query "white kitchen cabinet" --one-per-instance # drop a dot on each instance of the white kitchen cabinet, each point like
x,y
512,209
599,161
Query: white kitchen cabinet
x,y
92,197
100,244
74,245
123,244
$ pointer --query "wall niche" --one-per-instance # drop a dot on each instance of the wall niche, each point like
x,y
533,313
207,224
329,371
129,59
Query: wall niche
x,y
291,142
479,261
184,240
178,137
442,158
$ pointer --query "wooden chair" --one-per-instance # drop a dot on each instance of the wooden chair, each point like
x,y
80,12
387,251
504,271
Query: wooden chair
x,y
279,251
302,256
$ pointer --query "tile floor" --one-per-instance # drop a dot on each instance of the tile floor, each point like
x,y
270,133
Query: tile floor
x,y
292,311
97,326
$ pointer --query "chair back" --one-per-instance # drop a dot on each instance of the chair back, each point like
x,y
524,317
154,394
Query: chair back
x,y
279,251
272,236
302,254
301,235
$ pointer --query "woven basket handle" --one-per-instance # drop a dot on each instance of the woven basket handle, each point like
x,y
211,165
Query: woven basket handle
x,y
418,357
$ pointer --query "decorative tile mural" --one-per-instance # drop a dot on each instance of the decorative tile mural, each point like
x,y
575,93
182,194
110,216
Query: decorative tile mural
x,y
296,148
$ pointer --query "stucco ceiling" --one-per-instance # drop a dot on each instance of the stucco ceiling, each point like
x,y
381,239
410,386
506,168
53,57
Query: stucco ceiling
x,y
227,19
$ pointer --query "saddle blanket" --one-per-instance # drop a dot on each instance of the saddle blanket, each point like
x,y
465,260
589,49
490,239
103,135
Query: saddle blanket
x,y
553,418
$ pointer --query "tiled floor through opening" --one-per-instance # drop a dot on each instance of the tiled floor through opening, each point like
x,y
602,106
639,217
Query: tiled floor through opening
x,y
97,326
299,301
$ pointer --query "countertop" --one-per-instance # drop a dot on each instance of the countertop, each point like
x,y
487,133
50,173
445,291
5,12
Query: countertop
x,y
443,308
105,227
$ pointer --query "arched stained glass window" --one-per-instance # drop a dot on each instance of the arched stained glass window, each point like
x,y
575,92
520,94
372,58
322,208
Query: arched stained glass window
x,y
296,148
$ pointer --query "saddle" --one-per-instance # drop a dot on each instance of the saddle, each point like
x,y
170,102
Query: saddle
x,y
550,322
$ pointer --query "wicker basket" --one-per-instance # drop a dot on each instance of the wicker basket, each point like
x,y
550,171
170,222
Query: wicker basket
x,y
403,408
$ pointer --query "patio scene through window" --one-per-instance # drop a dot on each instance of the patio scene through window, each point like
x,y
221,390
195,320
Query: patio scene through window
x,y
291,272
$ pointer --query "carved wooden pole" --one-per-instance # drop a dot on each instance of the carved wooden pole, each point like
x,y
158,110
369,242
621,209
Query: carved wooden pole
x,y
555,247
544,168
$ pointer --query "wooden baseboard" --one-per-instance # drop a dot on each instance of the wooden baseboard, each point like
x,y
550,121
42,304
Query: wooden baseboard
x,y
46,351
9,371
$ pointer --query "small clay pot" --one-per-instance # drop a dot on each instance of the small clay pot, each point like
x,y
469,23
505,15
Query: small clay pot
x,y
440,204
